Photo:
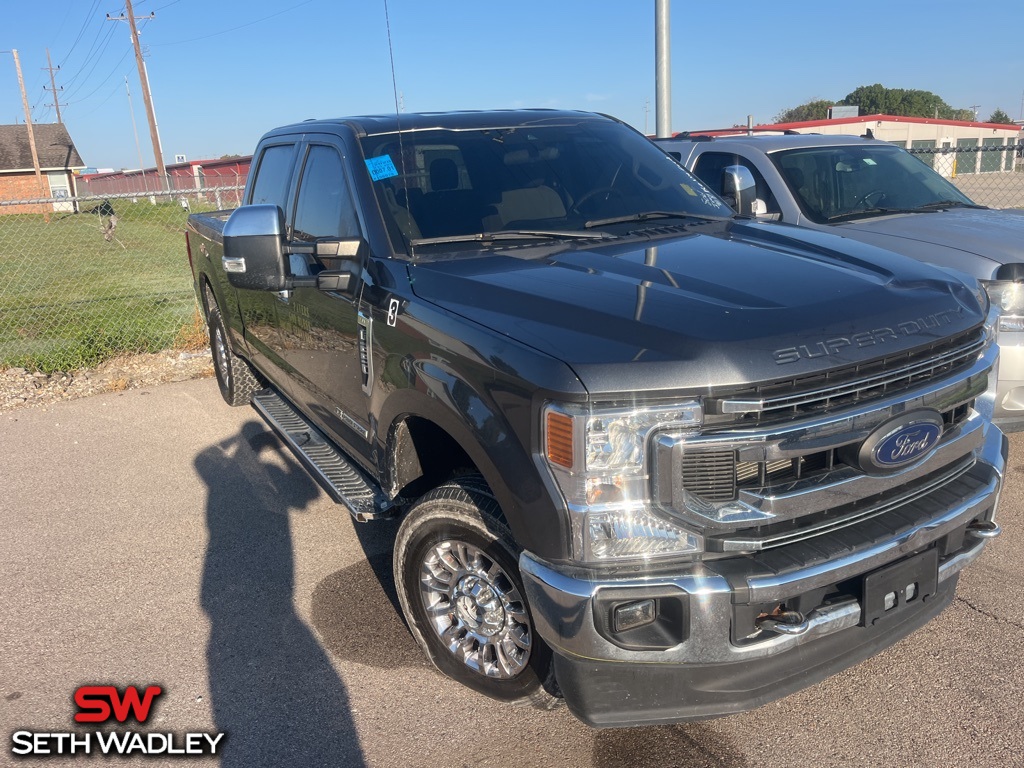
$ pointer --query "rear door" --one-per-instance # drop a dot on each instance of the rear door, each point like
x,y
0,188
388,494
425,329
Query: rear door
x,y
272,185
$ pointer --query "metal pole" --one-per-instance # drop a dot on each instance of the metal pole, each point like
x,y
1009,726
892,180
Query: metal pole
x,y
663,77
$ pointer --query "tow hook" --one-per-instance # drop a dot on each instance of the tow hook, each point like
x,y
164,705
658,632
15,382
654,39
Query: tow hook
x,y
984,529
784,622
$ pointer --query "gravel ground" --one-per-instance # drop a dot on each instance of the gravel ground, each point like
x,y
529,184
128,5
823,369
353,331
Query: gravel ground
x,y
20,388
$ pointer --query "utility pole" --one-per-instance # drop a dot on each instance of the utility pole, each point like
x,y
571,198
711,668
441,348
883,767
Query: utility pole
x,y
53,84
28,124
663,76
975,107
147,98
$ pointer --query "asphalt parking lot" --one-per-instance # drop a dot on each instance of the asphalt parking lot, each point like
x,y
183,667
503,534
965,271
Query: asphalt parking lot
x,y
158,536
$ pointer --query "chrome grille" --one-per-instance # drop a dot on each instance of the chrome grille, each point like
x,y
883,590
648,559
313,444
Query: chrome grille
x,y
850,385
718,475
711,475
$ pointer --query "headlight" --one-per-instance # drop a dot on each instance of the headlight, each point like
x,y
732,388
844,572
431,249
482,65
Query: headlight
x,y
598,457
1008,298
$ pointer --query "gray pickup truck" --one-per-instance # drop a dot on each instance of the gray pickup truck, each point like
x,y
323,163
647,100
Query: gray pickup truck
x,y
654,458
877,193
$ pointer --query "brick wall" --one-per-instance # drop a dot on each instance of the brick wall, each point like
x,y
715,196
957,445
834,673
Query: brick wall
x,y
23,186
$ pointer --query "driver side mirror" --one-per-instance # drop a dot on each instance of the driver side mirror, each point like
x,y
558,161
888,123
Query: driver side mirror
x,y
254,248
739,189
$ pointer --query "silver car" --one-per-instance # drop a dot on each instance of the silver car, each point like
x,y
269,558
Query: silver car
x,y
878,193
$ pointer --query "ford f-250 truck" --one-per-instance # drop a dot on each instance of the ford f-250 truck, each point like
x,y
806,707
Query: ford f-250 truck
x,y
660,460
877,193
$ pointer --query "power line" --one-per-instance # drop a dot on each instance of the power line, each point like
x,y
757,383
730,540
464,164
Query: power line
x,y
88,17
105,79
240,26
93,58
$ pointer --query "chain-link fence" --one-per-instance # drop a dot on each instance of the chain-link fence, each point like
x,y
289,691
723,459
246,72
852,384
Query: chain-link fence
x,y
986,170
86,279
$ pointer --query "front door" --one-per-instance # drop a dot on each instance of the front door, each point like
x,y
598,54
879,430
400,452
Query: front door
x,y
322,330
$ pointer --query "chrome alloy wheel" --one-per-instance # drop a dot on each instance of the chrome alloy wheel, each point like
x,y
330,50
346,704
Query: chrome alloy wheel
x,y
220,352
476,609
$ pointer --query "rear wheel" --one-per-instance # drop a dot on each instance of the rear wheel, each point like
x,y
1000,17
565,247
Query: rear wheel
x,y
236,379
458,582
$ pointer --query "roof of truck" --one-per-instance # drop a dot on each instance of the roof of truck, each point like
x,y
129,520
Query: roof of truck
x,y
464,120
764,142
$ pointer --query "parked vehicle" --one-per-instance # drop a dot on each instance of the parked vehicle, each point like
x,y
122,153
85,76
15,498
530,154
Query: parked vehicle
x,y
660,460
877,193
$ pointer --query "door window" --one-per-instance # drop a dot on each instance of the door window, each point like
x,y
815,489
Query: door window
x,y
324,207
710,166
272,175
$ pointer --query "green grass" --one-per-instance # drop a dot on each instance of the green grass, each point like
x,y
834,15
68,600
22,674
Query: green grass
x,y
70,299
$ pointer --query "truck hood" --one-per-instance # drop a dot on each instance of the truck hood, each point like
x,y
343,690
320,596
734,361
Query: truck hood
x,y
735,304
992,237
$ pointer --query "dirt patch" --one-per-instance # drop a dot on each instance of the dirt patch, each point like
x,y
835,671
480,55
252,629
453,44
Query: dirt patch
x,y
20,388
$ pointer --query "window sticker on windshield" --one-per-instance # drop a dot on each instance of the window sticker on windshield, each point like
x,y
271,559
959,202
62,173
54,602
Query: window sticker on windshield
x,y
688,190
381,167
869,161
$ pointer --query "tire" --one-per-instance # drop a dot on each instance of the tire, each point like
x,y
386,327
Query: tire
x,y
457,576
236,379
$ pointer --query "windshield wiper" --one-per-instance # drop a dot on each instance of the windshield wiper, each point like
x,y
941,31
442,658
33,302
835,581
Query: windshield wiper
x,y
652,215
877,212
940,204
514,234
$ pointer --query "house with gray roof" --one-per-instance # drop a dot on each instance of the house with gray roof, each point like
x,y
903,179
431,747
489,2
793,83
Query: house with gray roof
x,y
58,161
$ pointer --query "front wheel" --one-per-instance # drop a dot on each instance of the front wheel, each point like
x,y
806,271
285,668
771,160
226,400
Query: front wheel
x,y
458,583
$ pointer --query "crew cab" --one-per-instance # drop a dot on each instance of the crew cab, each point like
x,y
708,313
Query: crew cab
x,y
650,457
877,193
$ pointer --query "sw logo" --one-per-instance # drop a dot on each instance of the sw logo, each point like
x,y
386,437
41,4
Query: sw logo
x,y
98,703
101,704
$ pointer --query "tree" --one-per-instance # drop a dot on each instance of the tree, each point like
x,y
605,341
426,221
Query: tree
x,y
878,100
1000,117
815,109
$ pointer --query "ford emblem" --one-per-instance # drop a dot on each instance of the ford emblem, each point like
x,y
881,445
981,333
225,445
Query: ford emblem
x,y
900,441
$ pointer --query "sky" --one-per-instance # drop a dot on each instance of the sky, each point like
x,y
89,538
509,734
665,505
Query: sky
x,y
223,72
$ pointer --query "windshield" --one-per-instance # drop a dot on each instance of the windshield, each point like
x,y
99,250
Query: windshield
x,y
844,183
550,180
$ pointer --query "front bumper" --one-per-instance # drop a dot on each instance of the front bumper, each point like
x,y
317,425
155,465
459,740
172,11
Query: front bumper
x,y
712,672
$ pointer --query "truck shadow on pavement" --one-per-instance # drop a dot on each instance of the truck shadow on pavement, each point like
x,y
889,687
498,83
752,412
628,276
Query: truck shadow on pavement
x,y
273,689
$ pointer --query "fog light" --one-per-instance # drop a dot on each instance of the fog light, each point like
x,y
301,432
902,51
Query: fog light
x,y
632,615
